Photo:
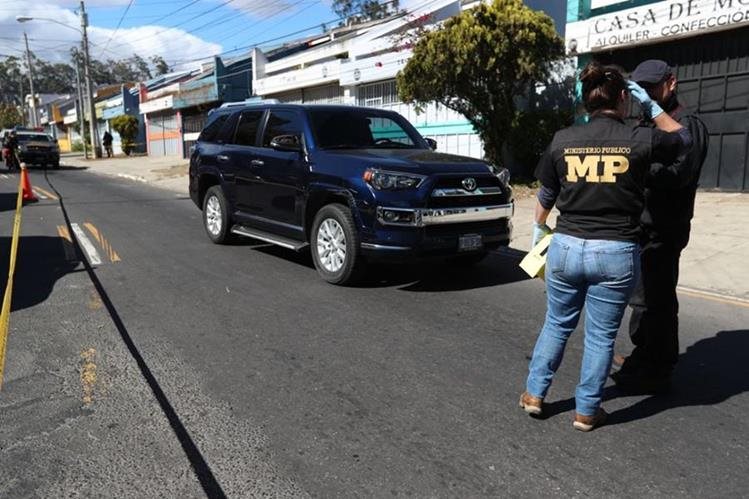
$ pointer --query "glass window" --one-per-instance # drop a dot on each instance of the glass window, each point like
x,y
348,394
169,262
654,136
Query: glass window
x,y
249,123
209,132
27,137
282,123
354,128
226,133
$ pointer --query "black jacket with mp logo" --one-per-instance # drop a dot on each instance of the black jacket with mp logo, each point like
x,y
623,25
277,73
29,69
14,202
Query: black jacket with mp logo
x,y
598,170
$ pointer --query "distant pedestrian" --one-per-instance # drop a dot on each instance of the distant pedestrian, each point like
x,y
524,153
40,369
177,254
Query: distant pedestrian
x,y
666,221
594,174
106,141
11,145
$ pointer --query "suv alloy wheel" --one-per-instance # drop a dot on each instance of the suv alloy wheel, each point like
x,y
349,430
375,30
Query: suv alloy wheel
x,y
216,216
335,245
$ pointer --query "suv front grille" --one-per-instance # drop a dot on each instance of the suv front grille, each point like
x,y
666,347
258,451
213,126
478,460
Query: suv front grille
x,y
459,201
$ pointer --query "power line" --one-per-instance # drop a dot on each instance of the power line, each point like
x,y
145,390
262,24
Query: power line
x,y
206,12
290,6
287,35
119,23
170,14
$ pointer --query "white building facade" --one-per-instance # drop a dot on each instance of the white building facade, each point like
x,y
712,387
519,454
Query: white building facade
x,y
358,67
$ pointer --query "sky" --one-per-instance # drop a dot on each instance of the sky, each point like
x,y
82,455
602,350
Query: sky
x,y
178,30
181,31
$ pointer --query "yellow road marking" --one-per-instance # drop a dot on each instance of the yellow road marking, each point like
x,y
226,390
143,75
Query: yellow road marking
x,y
88,375
46,192
67,243
706,295
5,310
111,253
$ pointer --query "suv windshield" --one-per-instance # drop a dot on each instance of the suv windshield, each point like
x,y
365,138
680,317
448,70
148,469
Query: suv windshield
x,y
355,128
37,137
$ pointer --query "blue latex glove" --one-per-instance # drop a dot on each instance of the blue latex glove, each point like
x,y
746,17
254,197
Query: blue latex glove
x,y
539,231
649,106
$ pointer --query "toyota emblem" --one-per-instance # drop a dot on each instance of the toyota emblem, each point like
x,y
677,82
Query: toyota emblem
x,y
469,184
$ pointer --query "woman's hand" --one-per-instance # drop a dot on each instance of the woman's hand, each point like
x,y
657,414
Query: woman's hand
x,y
539,231
649,106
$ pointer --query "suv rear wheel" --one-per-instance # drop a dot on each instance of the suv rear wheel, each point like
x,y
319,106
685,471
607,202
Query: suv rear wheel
x,y
335,245
216,218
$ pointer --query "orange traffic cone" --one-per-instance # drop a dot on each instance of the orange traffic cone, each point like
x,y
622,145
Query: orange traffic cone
x,y
28,194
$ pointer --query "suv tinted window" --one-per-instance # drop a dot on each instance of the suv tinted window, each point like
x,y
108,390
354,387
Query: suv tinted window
x,y
211,130
226,134
249,123
360,129
282,123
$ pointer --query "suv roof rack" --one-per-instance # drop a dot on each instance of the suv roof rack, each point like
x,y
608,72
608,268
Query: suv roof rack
x,y
252,101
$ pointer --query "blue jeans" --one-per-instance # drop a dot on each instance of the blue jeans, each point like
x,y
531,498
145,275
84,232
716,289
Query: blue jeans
x,y
600,275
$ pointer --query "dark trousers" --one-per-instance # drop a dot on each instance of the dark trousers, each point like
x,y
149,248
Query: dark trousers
x,y
654,324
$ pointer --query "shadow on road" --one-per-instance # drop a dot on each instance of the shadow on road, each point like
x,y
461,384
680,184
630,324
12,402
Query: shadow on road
x,y
8,201
709,372
500,267
65,168
41,263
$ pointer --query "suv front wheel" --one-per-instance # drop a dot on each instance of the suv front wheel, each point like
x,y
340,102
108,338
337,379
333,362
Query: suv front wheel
x,y
335,245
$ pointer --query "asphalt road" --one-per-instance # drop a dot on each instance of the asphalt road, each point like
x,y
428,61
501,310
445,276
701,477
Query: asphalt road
x,y
178,368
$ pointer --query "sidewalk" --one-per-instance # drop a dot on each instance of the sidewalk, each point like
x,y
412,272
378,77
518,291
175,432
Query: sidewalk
x,y
167,172
715,260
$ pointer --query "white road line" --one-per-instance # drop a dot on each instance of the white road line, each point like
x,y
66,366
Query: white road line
x,y
39,194
4,176
87,245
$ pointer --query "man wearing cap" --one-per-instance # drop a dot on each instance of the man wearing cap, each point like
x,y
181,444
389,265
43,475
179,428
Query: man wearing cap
x,y
665,222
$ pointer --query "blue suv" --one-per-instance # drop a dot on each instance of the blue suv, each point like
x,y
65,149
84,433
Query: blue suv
x,y
355,184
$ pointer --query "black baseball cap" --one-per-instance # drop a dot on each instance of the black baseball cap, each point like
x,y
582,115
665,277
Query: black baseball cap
x,y
650,71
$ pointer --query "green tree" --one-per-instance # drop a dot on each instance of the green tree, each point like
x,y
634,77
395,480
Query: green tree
x,y
11,80
356,11
9,116
159,65
478,62
127,127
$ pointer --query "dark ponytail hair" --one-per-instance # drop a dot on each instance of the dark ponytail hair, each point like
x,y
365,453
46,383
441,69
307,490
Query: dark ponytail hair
x,y
602,86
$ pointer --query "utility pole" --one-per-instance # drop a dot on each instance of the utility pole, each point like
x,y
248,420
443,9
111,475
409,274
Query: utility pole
x,y
89,85
79,110
21,105
34,120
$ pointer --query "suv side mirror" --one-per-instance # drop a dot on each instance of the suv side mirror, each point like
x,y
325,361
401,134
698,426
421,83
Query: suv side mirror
x,y
286,143
432,143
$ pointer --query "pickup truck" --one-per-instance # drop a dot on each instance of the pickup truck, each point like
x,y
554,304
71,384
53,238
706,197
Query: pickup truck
x,y
354,184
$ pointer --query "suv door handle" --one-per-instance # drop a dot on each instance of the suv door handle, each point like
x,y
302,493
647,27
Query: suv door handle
x,y
222,157
257,162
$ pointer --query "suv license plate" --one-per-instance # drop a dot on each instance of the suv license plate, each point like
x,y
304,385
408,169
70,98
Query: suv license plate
x,y
470,242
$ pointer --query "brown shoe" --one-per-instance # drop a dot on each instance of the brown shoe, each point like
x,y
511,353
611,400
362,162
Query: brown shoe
x,y
530,404
587,423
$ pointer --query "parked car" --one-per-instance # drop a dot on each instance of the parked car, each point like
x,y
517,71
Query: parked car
x,y
37,148
354,184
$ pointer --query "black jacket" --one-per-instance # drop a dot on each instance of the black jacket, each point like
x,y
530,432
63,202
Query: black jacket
x,y
669,199
598,172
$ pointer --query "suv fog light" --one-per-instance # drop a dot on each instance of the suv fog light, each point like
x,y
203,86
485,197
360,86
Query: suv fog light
x,y
397,217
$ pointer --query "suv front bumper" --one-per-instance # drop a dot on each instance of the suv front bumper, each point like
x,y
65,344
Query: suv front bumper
x,y
421,217
425,232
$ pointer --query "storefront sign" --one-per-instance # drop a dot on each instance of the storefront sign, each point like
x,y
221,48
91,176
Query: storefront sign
x,y
655,22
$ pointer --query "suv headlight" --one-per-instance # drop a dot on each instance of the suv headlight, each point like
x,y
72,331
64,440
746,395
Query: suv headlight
x,y
503,174
391,181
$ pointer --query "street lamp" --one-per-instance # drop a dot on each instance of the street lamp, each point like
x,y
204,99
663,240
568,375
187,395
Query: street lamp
x,y
86,66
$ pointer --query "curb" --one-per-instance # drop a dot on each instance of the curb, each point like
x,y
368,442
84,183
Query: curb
x,y
713,296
